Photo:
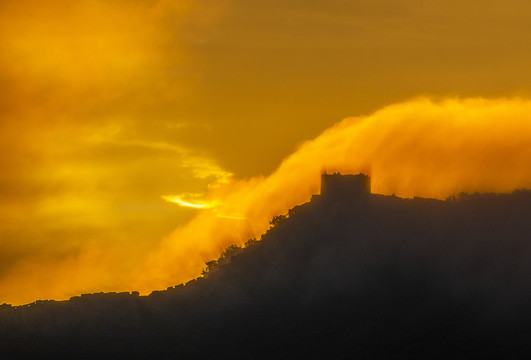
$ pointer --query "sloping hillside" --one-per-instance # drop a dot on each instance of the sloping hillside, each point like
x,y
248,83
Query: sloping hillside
x,y
349,276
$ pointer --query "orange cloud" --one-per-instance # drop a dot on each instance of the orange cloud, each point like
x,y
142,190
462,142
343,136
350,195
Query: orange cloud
x,y
86,87
416,148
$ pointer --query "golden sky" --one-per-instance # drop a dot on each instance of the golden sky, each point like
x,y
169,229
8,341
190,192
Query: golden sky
x,y
116,116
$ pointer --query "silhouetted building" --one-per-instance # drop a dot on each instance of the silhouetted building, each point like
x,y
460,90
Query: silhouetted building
x,y
337,186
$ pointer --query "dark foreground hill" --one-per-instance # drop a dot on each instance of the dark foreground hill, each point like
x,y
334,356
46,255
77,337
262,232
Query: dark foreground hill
x,y
346,276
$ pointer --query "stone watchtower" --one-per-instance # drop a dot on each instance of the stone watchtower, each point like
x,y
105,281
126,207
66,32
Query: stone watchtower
x,y
336,186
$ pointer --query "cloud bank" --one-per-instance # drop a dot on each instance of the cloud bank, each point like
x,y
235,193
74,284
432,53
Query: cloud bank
x,y
417,148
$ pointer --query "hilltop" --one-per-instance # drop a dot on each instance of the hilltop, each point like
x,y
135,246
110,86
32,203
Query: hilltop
x,y
348,275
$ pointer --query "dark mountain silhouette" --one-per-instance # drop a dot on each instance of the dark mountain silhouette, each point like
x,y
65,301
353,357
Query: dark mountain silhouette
x,y
348,275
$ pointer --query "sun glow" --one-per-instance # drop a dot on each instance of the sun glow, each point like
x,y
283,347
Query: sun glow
x,y
196,201
197,204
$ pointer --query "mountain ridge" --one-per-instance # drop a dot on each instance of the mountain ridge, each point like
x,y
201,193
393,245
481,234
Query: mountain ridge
x,y
361,274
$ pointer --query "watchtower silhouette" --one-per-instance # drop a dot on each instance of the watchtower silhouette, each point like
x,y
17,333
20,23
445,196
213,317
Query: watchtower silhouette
x,y
336,186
